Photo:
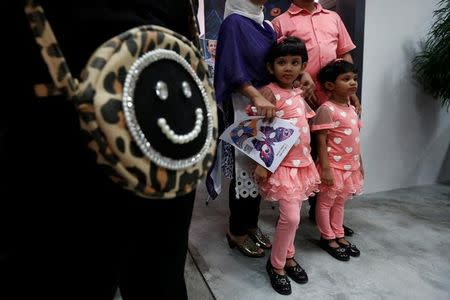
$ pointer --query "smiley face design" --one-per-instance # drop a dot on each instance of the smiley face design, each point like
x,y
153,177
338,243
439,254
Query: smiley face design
x,y
167,110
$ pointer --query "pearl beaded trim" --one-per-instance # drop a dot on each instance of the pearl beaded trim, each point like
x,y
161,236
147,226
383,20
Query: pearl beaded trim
x,y
130,115
185,138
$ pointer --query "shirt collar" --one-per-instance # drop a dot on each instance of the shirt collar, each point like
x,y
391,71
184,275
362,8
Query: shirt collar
x,y
295,10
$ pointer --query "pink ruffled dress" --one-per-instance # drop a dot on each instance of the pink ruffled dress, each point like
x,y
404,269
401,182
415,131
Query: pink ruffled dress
x,y
296,178
343,148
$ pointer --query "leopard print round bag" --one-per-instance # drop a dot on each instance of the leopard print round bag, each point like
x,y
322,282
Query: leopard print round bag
x,y
146,103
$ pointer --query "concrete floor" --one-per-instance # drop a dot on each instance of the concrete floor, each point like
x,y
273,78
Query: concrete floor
x,y
404,237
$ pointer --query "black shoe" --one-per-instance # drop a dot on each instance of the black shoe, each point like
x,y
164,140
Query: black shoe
x,y
296,273
339,253
348,231
350,248
280,283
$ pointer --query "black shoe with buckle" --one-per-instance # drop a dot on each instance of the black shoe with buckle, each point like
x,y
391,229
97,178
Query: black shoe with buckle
x,y
351,249
340,253
348,231
296,273
260,238
280,283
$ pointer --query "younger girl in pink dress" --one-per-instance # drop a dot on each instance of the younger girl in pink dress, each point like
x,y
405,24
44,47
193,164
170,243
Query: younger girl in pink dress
x,y
296,178
340,166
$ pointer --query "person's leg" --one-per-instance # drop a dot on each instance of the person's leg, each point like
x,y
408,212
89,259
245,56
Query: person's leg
x,y
292,267
313,199
154,247
289,217
337,217
283,242
324,221
312,207
252,207
239,208
324,204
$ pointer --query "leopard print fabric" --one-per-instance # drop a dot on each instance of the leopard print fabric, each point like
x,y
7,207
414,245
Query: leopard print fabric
x,y
98,98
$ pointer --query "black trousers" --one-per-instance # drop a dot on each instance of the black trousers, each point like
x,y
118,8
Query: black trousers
x,y
244,212
68,232
138,245
314,154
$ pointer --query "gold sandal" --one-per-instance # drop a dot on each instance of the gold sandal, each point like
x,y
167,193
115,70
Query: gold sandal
x,y
247,247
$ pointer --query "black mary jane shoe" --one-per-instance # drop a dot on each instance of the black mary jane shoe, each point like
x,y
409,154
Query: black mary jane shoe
x,y
339,253
260,239
348,231
280,283
247,247
351,249
296,273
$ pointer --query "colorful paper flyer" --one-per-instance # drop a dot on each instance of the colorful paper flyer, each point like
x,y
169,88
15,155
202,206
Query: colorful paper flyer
x,y
266,143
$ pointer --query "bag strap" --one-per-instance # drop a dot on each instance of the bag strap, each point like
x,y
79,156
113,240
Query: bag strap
x,y
63,82
195,26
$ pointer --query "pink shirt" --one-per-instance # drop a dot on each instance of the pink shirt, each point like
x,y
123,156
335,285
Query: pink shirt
x,y
322,31
343,134
289,105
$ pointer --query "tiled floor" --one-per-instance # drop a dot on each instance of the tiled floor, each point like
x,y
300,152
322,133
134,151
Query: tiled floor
x,y
404,237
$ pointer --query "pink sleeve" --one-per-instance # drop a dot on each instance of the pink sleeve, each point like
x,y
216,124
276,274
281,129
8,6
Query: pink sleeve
x,y
360,123
345,43
308,110
323,119
277,27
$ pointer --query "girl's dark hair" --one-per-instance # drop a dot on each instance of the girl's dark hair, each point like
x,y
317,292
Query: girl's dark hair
x,y
288,46
333,69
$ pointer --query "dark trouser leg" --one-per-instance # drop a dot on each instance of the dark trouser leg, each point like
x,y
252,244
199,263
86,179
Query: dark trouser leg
x,y
154,248
312,200
312,207
244,212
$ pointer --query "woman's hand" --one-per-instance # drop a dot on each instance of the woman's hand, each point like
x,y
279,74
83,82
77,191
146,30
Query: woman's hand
x,y
264,107
361,167
326,177
261,174
308,86
354,100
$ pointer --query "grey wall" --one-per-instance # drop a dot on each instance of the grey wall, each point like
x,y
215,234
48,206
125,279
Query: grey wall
x,y
406,134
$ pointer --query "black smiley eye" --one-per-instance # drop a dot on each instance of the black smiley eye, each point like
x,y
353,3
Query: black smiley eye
x,y
161,90
186,88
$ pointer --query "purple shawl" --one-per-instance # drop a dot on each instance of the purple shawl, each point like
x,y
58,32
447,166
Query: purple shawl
x,y
240,56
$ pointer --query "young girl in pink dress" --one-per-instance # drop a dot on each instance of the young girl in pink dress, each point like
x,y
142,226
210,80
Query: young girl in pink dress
x,y
296,178
340,166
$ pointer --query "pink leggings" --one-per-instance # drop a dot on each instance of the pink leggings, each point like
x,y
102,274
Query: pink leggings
x,y
283,242
330,216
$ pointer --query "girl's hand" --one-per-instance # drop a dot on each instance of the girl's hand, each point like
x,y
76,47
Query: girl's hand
x,y
261,174
264,107
326,177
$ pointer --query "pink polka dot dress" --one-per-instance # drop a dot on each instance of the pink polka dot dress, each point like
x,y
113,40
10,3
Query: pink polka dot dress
x,y
296,178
